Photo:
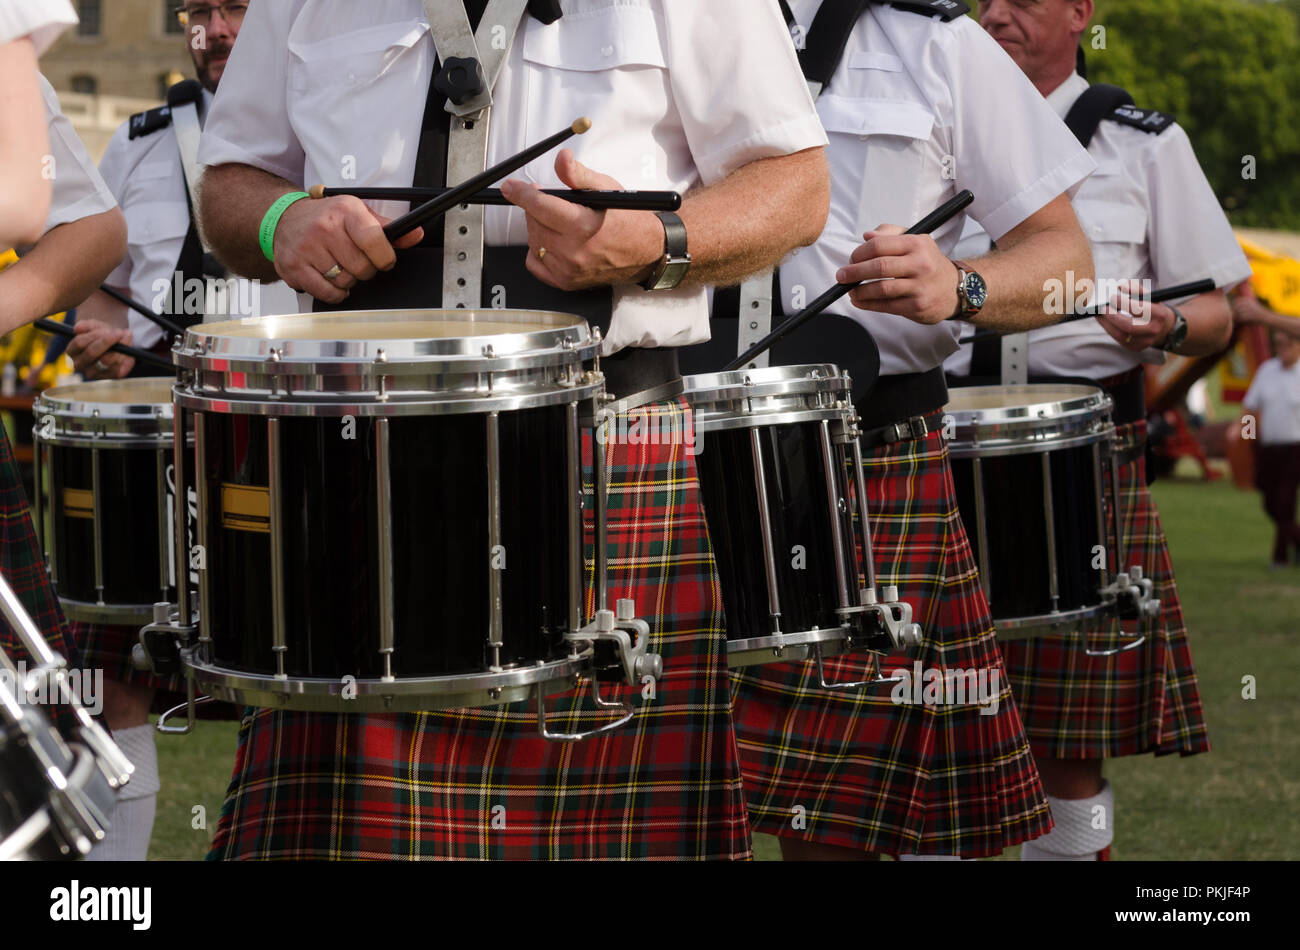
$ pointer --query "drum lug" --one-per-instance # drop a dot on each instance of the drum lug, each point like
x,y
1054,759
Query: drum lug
x,y
620,628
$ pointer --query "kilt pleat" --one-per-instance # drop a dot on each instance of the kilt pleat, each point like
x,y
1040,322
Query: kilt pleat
x,y
1144,700
858,770
23,563
481,783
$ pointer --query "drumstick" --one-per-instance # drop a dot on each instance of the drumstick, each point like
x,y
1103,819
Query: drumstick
x,y
1176,292
453,196
143,356
927,224
600,200
144,311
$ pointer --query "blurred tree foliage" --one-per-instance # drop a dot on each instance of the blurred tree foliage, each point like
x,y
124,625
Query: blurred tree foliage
x,y
1229,71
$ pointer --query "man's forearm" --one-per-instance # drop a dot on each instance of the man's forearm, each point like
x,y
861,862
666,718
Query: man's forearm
x,y
63,269
24,142
233,199
1209,324
1016,277
756,216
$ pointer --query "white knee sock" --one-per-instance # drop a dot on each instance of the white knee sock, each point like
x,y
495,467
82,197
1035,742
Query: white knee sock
x,y
131,823
1082,827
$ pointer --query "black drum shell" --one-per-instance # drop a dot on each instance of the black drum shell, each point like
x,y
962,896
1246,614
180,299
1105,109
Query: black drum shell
x,y
1015,526
128,513
797,499
440,542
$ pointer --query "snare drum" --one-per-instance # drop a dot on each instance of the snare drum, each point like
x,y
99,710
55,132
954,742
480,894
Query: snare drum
x,y
1030,464
55,796
780,473
104,450
389,509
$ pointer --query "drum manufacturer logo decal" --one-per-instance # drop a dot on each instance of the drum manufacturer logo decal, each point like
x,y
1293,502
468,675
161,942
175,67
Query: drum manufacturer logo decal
x,y
246,508
79,503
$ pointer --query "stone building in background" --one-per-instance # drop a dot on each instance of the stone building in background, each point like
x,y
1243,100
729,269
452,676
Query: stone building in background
x,y
120,60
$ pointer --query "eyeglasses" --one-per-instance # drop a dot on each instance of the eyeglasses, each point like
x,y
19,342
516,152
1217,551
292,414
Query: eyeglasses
x,y
197,14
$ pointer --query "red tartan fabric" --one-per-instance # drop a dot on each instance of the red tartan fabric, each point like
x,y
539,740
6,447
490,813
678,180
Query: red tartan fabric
x,y
108,646
23,564
1145,700
477,784
858,770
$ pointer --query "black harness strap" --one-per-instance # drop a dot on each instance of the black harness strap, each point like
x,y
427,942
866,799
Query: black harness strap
x,y
1097,102
828,38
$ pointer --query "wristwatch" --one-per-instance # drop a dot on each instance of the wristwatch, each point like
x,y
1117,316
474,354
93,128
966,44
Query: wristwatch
x,y
972,292
1177,334
672,267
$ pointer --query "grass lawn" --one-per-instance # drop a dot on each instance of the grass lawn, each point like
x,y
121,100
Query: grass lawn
x,y
1237,802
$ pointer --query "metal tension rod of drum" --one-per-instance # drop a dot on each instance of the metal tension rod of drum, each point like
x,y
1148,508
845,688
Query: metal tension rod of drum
x,y
892,616
1130,586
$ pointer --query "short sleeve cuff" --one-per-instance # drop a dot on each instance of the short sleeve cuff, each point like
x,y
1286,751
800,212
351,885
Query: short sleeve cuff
x,y
42,20
789,137
214,151
1060,181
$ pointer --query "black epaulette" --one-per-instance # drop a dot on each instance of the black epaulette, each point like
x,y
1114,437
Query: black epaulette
x,y
945,10
147,123
1148,120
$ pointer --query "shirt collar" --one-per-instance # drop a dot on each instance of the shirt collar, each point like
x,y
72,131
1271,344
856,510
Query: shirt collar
x,y
1064,95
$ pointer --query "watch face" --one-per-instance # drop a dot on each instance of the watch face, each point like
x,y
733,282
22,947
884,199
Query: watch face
x,y
977,291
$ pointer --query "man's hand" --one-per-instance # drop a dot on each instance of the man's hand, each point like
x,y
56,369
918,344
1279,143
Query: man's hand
x,y
1136,324
1246,307
314,235
910,276
584,247
89,350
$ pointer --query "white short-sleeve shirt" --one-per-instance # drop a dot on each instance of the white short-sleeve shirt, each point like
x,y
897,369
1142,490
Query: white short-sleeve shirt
x,y
917,111
1275,394
681,93
147,178
78,189
42,20
1149,214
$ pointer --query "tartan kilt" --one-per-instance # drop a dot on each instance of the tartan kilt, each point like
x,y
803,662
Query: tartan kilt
x,y
23,564
108,647
1145,700
442,784
855,769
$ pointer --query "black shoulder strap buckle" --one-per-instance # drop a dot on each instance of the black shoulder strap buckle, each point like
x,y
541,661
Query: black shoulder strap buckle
x,y
1097,102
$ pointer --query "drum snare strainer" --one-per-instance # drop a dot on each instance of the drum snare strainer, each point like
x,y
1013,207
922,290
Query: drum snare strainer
x,y
1036,472
779,445
390,513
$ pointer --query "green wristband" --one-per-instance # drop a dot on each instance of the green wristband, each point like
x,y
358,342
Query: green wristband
x,y
272,220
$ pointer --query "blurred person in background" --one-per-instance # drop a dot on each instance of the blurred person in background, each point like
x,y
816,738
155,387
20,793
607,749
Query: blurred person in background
x,y
1274,400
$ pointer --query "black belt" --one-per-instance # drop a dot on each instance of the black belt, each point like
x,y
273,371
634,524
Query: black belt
x,y
902,407
1127,390
636,369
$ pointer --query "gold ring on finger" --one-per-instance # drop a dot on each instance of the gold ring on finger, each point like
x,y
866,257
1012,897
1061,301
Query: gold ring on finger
x,y
541,253
333,272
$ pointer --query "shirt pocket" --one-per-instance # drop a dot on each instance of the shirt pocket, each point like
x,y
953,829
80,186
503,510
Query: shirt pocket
x,y
341,95
156,222
876,147
1117,231
609,65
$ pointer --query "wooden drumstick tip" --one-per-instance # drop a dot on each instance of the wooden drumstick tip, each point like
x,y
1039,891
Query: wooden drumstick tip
x,y
580,126
316,191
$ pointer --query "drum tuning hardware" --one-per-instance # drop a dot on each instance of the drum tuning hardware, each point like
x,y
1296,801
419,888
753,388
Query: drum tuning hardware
x,y
161,642
620,628
274,355
489,351
381,355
